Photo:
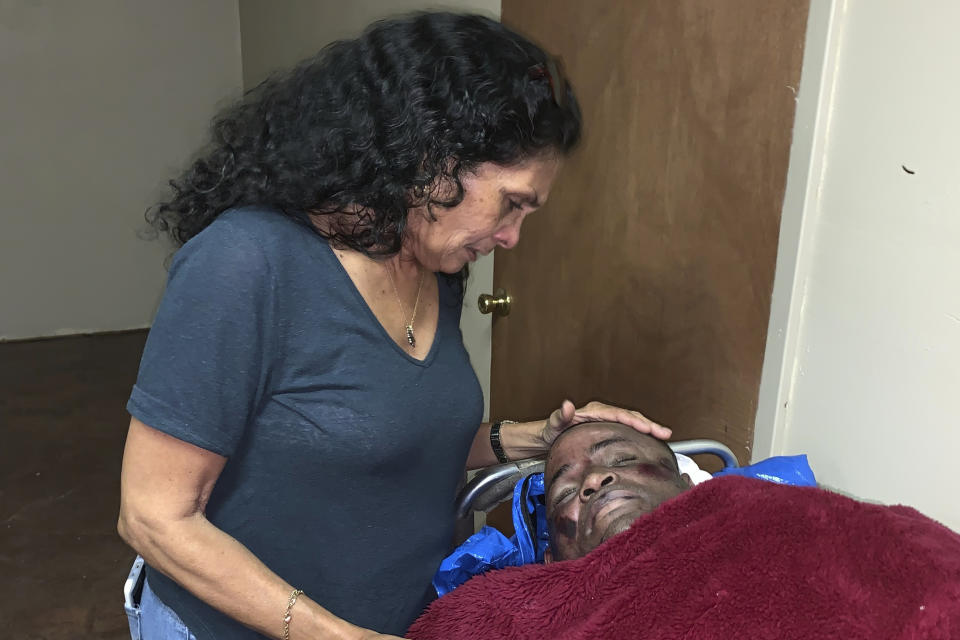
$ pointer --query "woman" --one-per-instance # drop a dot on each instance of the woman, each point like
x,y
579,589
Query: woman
x,y
305,407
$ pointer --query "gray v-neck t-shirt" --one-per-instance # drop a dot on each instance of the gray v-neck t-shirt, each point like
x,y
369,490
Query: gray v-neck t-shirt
x,y
344,452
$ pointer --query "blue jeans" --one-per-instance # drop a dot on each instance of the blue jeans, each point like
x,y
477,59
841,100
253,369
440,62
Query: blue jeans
x,y
150,619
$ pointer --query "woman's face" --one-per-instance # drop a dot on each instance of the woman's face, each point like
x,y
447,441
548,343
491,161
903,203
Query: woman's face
x,y
495,202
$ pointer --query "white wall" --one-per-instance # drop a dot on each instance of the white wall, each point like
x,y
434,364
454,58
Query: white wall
x,y
102,102
277,35
871,383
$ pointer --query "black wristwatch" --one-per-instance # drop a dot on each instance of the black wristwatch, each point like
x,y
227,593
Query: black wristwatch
x,y
495,443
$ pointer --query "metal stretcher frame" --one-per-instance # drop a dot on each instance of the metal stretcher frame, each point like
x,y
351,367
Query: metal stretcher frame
x,y
493,485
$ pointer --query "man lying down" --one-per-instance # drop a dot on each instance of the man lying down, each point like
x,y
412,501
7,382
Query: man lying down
x,y
638,553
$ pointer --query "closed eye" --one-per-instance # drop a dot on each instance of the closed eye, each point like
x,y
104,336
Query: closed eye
x,y
510,206
513,205
563,495
623,461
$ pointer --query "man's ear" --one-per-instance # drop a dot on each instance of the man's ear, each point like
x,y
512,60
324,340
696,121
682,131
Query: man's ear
x,y
685,479
547,556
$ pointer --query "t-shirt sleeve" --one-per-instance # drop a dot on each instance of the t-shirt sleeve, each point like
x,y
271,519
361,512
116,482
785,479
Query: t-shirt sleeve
x,y
205,364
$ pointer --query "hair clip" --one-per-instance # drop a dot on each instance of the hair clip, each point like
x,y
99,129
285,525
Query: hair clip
x,y
551,71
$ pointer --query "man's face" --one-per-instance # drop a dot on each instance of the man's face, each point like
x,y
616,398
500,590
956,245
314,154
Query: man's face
x,y
600,477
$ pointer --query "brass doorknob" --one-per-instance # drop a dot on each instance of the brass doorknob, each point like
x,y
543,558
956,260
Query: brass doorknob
x,y
498,304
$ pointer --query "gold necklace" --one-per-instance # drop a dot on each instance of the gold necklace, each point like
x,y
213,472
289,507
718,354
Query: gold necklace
x,y
408,326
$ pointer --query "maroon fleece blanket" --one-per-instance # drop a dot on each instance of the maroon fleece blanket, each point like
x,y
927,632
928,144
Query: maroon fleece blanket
x,y
731,558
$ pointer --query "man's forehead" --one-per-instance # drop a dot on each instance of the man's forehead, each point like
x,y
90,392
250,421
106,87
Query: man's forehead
x,y
587,439
590,432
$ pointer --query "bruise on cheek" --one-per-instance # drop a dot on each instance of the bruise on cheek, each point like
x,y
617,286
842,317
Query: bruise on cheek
x,y
657,471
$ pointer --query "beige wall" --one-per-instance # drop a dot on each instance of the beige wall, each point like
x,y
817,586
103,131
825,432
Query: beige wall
x,y
102,101
869,385
277,35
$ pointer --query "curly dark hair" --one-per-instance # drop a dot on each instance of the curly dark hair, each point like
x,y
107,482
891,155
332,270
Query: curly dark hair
x,y
370,127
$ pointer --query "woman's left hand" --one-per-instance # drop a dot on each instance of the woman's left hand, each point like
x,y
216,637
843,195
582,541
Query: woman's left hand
x,y
568,415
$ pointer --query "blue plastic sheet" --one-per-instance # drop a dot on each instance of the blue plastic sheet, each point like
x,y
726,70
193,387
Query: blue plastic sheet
x,y
486,549
489,549
530,519
793,470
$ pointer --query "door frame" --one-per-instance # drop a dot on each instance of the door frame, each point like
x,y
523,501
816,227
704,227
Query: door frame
x,y
477,329
798,219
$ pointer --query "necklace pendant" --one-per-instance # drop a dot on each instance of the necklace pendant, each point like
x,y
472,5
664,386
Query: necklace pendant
x,y
410,338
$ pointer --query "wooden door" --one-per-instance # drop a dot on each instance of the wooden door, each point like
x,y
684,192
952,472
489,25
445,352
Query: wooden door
x,y
646,280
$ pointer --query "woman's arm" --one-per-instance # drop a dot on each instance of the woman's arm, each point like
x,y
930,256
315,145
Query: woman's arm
x,y
519,440
529,439
164,488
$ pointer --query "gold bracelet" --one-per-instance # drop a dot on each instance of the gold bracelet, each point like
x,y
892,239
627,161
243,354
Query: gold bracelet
x,y
287,617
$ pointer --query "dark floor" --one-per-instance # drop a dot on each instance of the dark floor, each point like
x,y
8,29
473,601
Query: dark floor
x,y
62,424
